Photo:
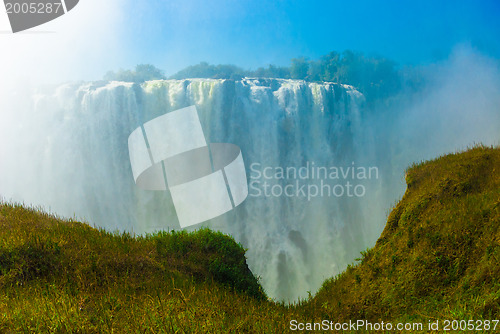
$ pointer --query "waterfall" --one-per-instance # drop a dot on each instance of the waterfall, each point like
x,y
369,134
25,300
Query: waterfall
x,y
69,153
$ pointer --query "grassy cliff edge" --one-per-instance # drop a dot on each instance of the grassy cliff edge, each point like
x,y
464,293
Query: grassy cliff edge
x,y
437,258
439,254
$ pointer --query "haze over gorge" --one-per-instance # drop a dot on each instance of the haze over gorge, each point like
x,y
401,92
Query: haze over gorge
x,y
64,147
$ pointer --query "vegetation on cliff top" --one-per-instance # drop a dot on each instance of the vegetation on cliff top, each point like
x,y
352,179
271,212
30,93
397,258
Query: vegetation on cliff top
x,y
439,254
374,76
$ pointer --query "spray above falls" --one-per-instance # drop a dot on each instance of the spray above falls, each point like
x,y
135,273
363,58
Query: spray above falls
x,y
312,189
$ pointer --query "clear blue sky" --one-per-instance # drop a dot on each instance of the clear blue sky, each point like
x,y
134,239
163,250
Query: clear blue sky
x,y
174,34
98,35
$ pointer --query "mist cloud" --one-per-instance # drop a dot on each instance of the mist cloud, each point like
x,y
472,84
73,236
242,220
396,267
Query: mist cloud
x,y
80,45
457,106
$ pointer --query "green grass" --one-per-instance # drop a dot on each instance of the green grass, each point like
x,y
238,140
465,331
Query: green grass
x,y
437,258
64,276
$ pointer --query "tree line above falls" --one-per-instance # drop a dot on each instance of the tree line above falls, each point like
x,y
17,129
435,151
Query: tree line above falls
x,y
376,77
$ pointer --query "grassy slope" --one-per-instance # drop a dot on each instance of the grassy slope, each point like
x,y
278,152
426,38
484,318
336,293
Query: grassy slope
x,y
64,276
439,254
438,257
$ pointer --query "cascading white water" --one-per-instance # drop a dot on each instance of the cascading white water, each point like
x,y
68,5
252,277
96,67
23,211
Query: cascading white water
x,y
65,148
73,158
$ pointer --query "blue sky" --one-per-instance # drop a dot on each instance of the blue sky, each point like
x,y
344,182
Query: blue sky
x,y
173,35
97,36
